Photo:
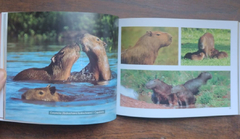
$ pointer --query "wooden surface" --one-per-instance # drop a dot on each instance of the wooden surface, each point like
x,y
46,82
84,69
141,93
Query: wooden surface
x,y
127,127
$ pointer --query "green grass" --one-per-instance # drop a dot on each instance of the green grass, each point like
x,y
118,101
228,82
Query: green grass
x,y
216,93
189,43
166,55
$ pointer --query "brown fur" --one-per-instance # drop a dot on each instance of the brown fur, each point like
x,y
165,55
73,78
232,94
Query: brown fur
x,y
217,54
194,84
45,94
59,68
161,92
206,43
95,50
195,56
183,95
145,51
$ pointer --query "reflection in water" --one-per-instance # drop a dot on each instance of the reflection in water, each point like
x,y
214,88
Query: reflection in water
x,y
88,96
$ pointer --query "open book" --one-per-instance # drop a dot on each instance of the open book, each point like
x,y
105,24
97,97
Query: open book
x,y
86,68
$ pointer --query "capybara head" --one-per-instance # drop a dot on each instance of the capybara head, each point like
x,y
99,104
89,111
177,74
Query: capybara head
x,y
205,76
44,94
92,43
67,56
156,39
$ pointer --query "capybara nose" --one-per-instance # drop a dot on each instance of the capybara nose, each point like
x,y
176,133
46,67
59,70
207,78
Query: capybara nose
x,y
170,37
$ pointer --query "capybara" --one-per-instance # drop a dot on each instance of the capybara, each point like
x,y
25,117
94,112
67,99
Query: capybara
x,y
221,55
217,54
98,69
185,97
214,52
58,70
195,56
206,43
145,51
194,84
45,94
161,92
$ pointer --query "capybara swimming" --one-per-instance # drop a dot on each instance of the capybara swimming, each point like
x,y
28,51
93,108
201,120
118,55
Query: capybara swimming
x,y
185,97
58,70
195,56
145,51
45,94
98,69
194,84
206,43
162,92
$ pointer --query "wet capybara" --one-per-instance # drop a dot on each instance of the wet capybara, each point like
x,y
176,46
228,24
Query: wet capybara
x,y
194,84
206,43
185,97
145,51
58,70
161,92
195,56
98,69
45,94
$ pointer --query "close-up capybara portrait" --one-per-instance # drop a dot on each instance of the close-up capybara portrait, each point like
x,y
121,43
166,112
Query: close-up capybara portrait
x,y
175,89
149,45
206,47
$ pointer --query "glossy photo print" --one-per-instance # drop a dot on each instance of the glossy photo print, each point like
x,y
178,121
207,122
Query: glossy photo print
x,y
175,89
205,47
149,45
62,67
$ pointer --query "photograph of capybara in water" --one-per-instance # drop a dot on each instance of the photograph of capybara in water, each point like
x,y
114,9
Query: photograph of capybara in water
x,y
209,47
174,89
149,45
61,64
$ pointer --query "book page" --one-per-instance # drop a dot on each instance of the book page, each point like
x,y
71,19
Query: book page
x,y
61,66
174,68
1,66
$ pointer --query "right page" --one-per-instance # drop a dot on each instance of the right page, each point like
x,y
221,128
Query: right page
x,y
173,68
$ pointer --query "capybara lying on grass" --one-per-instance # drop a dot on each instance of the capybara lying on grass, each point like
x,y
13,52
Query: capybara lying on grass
x,y
45,94
194,84
161,92
185,97
58,70
195,56
217,54
98,69
145,51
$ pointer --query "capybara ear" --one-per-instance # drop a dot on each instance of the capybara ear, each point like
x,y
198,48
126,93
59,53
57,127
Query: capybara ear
x,y
52,90
149,33
53,59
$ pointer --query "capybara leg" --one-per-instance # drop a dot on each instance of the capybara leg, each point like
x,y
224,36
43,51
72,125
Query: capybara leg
x,y
186,101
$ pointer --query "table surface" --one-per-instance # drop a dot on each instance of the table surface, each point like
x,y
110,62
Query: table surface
x,y
128,127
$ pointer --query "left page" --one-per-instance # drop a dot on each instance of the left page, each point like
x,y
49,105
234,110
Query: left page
x,y
61,67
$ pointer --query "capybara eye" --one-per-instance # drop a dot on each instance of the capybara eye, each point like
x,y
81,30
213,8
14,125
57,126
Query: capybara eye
x,y
158,34
62,52
97,39
41,93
